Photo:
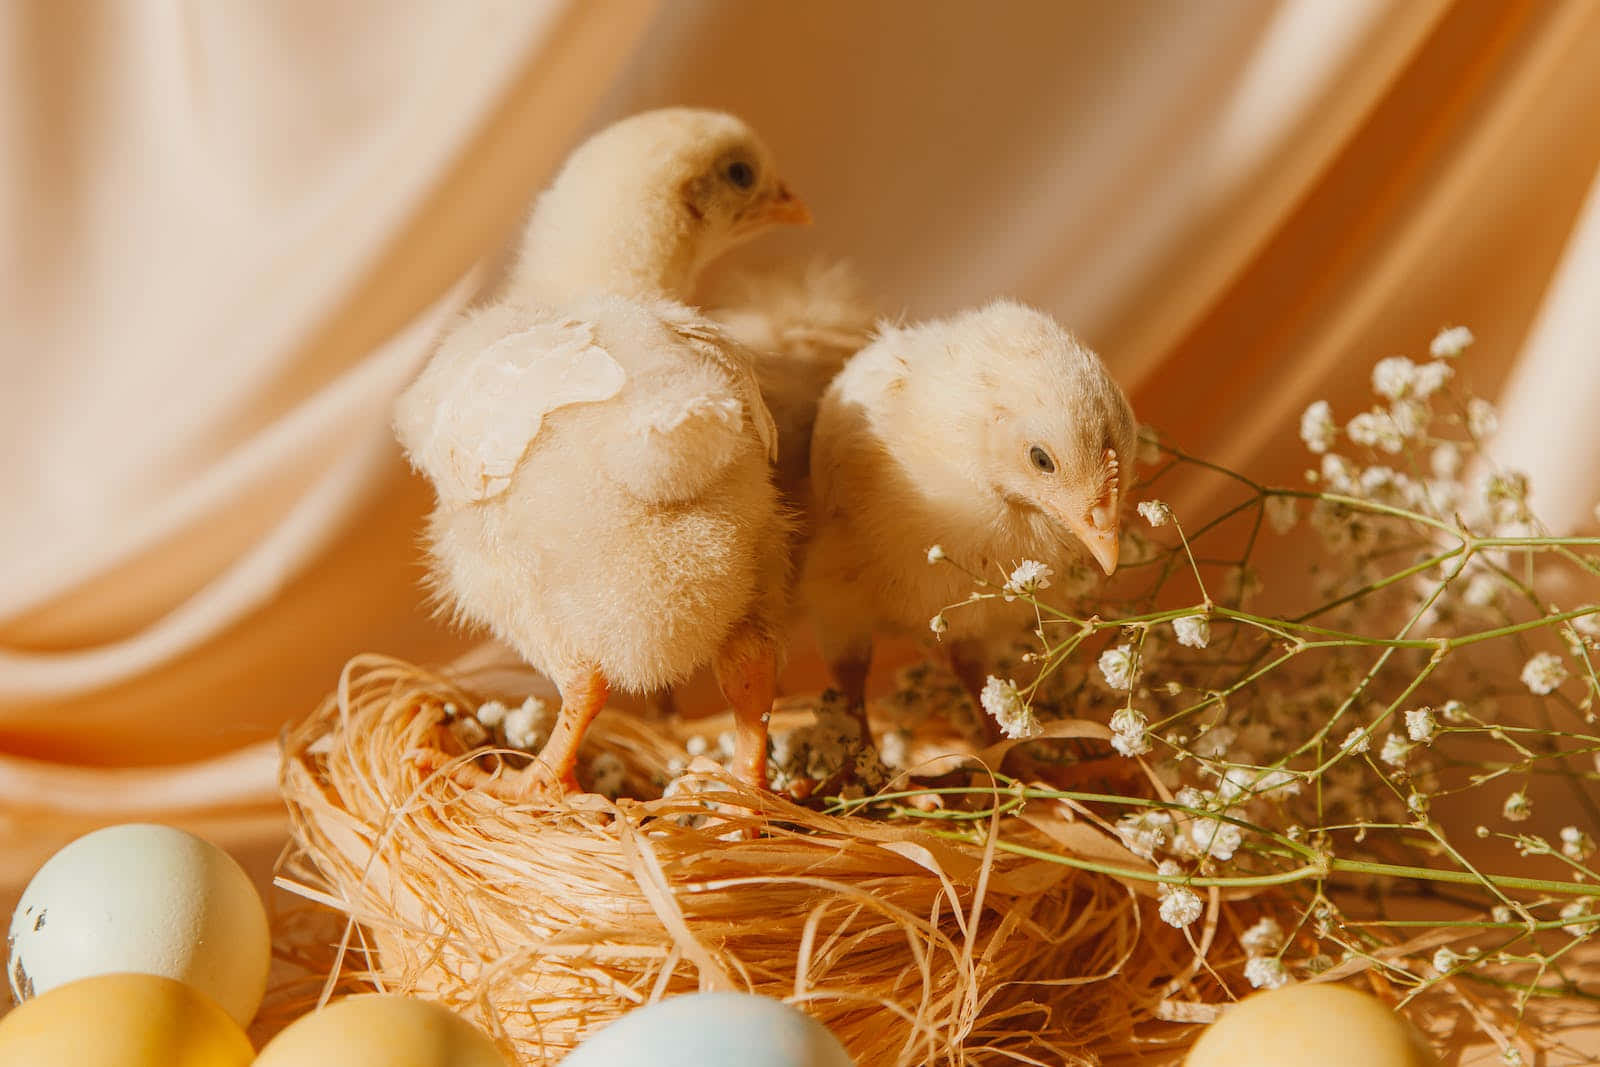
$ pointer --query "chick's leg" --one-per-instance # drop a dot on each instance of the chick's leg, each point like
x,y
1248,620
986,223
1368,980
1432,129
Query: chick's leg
x,y
551,775
583,694
747,672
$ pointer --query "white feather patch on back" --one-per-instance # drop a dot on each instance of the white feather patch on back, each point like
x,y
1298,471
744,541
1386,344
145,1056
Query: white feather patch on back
x,y
734,361
488,418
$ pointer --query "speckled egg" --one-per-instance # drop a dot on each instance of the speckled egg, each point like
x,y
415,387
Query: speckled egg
x,y
148,899
384,1029
1310,1025
713,1030
122,1020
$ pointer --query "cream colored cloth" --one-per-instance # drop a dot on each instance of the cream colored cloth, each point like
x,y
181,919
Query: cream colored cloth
x,y
229,232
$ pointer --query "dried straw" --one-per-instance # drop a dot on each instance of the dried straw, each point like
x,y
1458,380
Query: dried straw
x,y
544,925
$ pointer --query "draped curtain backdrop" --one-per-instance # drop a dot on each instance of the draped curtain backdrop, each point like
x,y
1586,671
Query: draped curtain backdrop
x,y
228,233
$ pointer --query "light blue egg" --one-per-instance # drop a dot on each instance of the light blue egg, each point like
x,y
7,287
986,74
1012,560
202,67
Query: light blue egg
x,y
713,1030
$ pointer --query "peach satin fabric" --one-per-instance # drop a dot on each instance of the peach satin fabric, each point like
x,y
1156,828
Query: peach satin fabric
x,y
229,232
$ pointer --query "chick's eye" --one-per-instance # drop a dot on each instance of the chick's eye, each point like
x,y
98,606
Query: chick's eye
x,y
1041,459
741,174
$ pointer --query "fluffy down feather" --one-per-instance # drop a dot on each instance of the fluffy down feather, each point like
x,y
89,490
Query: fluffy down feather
x,y
801,325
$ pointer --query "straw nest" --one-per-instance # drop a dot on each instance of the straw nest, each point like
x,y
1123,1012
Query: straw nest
x,y
543,925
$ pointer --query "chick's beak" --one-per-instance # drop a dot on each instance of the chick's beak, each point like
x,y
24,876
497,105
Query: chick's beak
x,y
1103,541
780,206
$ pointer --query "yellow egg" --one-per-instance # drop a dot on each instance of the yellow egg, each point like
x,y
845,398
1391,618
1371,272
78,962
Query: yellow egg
x,y
1310,1025
122,1020
378,1029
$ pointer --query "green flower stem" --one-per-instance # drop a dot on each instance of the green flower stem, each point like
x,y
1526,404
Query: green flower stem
x,y
1318,871
1484,924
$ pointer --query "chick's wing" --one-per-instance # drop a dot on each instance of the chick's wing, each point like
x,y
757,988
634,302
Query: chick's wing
x,y
473,414
737,363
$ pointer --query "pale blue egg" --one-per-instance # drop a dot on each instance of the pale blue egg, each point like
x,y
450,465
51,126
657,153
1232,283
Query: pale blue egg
x,y
713,1030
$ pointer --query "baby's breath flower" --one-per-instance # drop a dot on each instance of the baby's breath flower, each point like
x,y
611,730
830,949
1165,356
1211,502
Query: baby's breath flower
x,y
1410,417
1265,972
1544,673
1194,631
1500,913
1482,419
1588,625
1236,782
1511,1056
1394,751
1445,960
1517,808
938,624
1001,699
1128,732
1392,377
1262,939
1356,741
1450,341
1375,429
527,726
1572,911
1431,378
1338,474
1282,513
1215,838
1146,833
1453,711
1445,461
1117,665
1190,797
491,713
935,553
1180,907
1029,577
1155,512
1316,427
1575,844
1420,724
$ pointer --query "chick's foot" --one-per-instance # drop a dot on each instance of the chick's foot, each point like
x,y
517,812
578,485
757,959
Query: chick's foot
x,y
747,671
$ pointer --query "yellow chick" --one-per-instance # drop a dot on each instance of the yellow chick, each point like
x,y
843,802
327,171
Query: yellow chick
x,y
801,325
600,450
994,434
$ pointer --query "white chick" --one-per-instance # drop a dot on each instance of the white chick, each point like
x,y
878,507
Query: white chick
x,y
994,434
600,451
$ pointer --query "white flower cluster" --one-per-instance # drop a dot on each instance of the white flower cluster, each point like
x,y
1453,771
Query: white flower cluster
x,y
1193,631
1450,342
1576,845
830,749
526,726
1421,725
1004,703
1146,833
1180,906
1155,512
1544,673
1027,579
1119,667
1130,732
